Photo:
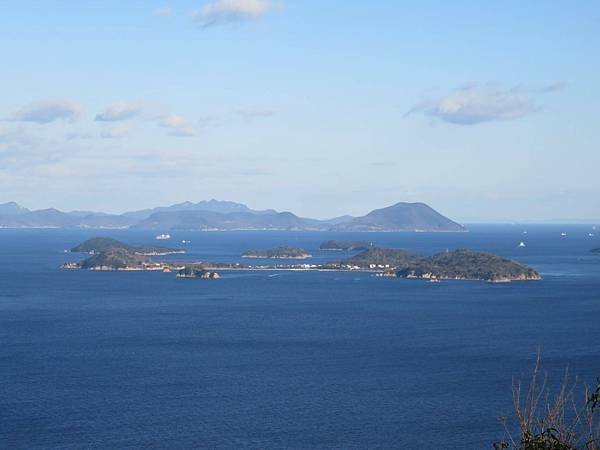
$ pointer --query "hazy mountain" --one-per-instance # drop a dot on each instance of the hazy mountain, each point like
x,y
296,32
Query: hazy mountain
x,y
53,218
86,213
338,220
224,215
40,218
217,206
208,220
105,221
12,208
401,217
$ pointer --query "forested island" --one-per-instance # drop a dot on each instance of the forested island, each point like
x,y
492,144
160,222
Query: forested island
x,y
282,252
111,254
104,244
459,264
346,246
465,264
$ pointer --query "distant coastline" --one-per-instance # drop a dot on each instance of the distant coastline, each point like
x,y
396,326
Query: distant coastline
x,y
217,215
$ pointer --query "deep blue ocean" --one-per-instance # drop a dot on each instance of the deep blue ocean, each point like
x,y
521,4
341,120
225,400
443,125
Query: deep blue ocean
x,y
297,360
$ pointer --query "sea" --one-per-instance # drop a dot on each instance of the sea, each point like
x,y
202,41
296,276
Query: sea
x,y
285,360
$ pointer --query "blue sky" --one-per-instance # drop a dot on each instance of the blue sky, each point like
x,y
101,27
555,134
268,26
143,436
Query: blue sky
x,y
484,111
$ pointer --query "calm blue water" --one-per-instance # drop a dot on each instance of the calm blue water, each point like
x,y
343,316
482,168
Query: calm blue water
x,y
298,360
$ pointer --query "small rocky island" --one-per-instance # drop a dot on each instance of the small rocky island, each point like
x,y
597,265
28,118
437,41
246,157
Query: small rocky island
x,y
194,271
345,246
283,252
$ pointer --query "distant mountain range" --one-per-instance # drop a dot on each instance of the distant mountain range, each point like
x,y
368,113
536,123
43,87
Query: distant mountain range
x,y
225,215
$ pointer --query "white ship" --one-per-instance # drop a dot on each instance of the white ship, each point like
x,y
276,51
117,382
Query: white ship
x,y
163,237
522,244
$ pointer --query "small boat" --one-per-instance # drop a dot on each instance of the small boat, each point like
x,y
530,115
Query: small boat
x,y
522,244
563,234
185,242
524,232
591,234
163,237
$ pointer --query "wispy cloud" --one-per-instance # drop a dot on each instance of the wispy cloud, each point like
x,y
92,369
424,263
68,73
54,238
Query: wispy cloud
x,y
120,111
553,87
177,125
10,137
165,11
125,111
116,131
254,113
78,135
47,111
21,150
474,104
225,11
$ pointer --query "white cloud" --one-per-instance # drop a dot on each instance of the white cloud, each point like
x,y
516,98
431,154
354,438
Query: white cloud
x,y
474,105
224,11
165,11
47,111
116,131
119,111
177,125
124,111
